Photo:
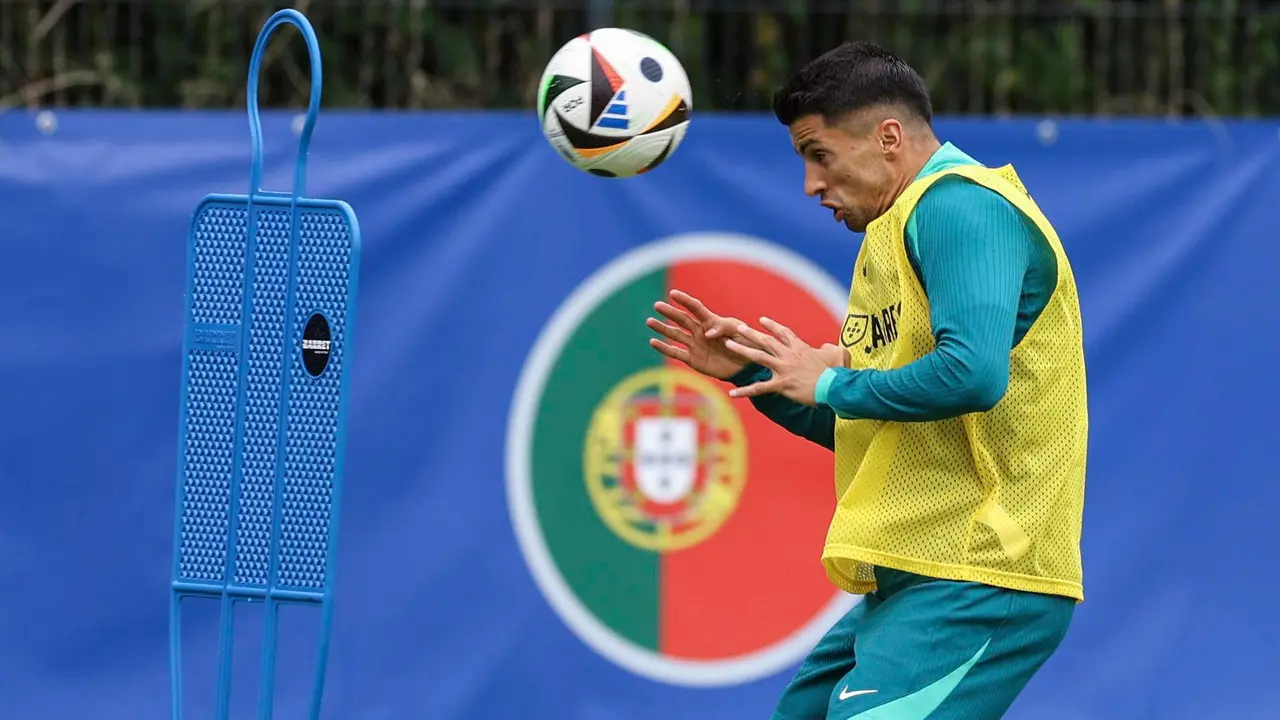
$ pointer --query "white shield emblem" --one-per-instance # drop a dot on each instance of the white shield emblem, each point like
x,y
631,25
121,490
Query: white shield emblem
x,y
666,457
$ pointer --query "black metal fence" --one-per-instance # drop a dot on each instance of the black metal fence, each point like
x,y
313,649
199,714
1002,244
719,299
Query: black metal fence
x,y
1098,57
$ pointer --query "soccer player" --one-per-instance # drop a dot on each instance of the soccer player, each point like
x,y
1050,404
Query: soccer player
x,y
955,404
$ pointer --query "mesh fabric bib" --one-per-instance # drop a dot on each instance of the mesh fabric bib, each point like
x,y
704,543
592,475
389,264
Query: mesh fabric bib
x,y
994,497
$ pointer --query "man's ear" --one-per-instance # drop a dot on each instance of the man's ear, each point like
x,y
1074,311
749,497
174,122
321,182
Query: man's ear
x,y
890,136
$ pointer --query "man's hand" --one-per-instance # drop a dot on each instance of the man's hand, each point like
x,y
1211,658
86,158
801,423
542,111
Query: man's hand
x,y
697,336
796,365
834,356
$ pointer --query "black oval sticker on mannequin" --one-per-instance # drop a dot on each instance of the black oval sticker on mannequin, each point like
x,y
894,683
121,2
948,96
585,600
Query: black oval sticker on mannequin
x,y
315,345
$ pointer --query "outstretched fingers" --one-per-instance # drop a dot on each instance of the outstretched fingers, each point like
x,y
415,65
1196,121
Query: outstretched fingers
x,y
677,316
724,328
672,351
780,331
669,332
693,304
756,389
755,355
764,341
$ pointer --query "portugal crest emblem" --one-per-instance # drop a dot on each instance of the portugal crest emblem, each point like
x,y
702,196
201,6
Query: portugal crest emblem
x,y
676,531
665,459
855,328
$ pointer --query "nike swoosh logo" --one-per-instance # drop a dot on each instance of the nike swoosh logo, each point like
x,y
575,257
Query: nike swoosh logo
x,y
845,694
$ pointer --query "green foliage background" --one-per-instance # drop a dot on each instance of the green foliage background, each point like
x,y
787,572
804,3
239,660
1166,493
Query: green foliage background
x,y
988,57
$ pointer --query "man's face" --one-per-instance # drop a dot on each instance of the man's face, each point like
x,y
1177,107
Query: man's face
x,y
846,169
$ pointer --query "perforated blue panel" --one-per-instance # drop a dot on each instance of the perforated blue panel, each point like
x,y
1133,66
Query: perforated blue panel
x,y
219,265
324,259
207,477
262,433
262,398
253,497
216,301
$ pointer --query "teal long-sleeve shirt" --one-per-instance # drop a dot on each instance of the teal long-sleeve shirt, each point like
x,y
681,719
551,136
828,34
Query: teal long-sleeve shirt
x,y
988,273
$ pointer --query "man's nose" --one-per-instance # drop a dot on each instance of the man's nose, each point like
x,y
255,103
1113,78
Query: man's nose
x,y
814,184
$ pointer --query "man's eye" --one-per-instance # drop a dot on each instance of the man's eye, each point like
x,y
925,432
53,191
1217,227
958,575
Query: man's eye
x,y
819,155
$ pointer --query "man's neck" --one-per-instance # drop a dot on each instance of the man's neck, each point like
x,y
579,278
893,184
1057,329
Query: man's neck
x,y
913,162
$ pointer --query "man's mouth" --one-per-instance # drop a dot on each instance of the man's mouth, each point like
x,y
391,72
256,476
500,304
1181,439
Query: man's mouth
x,y
836,212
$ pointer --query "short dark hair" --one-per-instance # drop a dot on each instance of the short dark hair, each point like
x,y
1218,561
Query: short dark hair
x,y
851,77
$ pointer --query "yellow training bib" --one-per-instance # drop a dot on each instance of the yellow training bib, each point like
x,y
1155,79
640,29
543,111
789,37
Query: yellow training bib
x,y
995,497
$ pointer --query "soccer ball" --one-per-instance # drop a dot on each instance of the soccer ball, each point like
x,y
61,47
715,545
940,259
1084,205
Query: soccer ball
x,y
614,102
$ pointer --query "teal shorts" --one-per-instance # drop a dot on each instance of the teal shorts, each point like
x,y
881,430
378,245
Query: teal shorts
x,y
920,648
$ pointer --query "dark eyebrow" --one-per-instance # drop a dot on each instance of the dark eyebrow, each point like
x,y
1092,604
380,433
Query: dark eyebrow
x,y
802,145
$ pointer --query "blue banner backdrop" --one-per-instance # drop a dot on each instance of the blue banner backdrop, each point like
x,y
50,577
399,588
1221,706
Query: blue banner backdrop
x,y
475,232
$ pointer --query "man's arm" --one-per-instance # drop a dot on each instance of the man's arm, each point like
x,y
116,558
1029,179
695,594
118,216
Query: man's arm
x,y
973,249
816,424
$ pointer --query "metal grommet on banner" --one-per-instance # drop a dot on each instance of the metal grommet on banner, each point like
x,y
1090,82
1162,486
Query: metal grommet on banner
x,y
46,122
1047,132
